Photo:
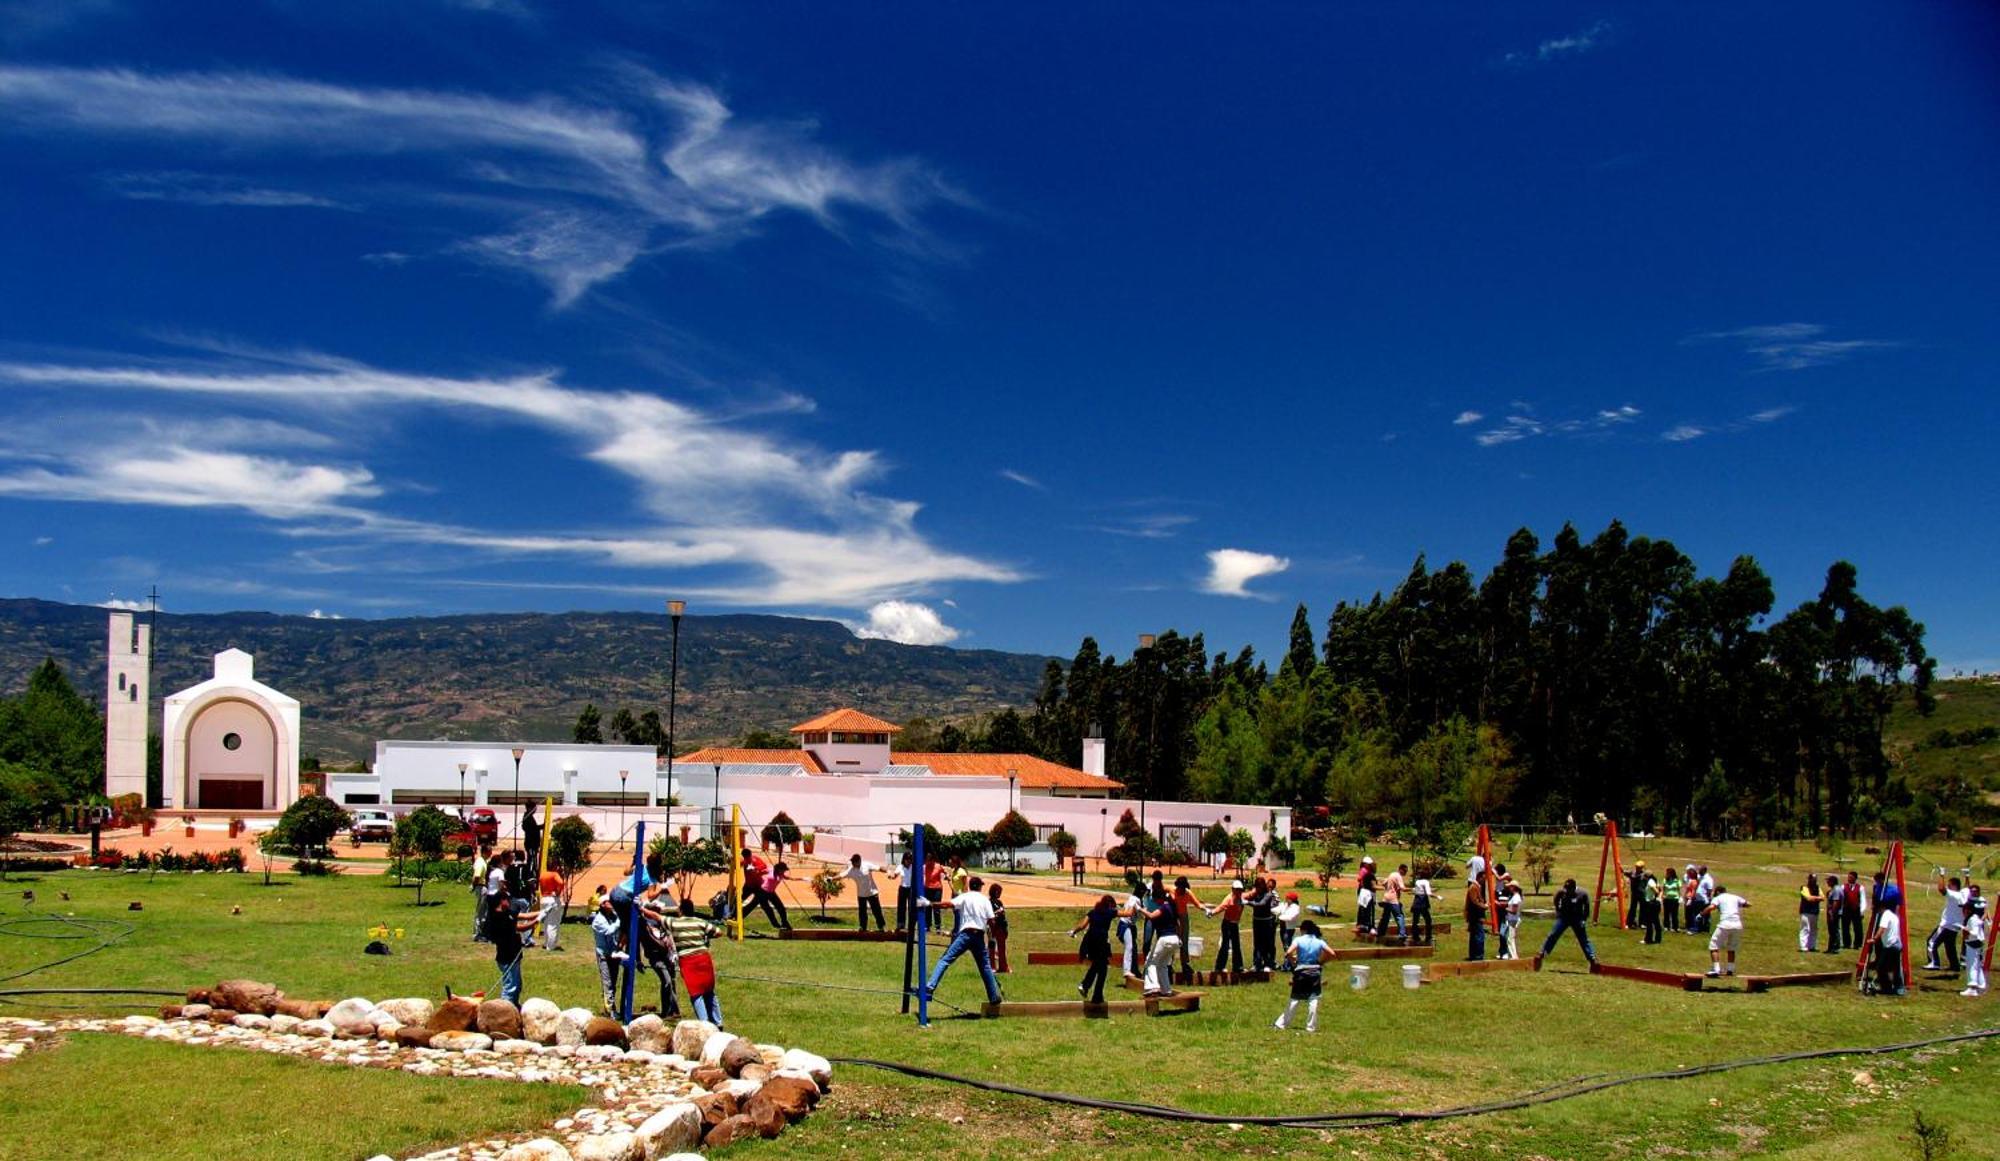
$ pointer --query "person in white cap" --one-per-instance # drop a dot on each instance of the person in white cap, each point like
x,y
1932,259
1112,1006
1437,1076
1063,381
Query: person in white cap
x,y
1229,945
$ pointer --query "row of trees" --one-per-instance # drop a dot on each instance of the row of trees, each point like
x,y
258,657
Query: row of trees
x,y
1601,675
642,729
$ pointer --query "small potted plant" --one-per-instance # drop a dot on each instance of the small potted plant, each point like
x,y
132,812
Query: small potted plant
x,y
810,839
187,821
146,819
235,827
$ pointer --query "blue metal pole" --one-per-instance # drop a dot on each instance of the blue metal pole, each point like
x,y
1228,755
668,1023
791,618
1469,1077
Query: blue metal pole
x,y
923,931
632,929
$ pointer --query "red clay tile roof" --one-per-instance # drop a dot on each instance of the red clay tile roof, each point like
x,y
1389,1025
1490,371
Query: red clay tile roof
x,y
851,720
715,754
1035,773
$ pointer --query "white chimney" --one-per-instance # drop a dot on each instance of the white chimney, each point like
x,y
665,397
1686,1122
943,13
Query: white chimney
x,y
1093,753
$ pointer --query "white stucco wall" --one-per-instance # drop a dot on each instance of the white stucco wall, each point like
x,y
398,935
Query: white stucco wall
x,y
193,722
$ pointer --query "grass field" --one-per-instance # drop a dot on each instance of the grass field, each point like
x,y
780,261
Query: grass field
x,y
1446,1044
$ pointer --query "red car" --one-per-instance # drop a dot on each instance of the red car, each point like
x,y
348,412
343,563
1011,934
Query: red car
x,y
482,828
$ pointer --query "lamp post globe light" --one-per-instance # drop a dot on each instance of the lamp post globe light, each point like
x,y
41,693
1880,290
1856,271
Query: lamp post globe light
x,y
518,751
674,611
461,788
622,776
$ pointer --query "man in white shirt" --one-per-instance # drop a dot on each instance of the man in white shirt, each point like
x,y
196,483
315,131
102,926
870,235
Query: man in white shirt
x,y
1510,918
974,911
1888,967
1727,912
866,895
1950,924
1975,944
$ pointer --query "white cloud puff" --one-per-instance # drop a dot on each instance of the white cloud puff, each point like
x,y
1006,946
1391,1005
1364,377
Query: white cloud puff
x,y
1230,569
907,623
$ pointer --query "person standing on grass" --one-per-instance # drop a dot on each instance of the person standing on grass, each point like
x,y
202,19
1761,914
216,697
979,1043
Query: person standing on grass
x,y
973,912
1420,912
692,936
1288,921
1390,900
604,931
1726,910
1851,895
905,869
531,841
1950,926
754,870
1888,964
1650,905
867,896
1572,914
504,925
551,887
1095,927
1229,943
1810,902
1475,921
1128,934
1670,899
1185,904
997,929
1166,946
481,863
768,898
1303,959
1830,908
1690,914
1509,903
1635,887
1364,894
1975,943
1263,902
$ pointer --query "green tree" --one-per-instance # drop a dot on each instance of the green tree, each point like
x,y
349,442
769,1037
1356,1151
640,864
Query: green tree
x,y
781,831
1011,833
1229,754
1063,844
668,856
310,824
625,727
425,829
1301,656
763,739
1215,840
589,728
1242,846
54,730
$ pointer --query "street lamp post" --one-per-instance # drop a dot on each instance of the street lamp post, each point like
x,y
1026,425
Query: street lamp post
x,y
518,751
715,808
674,610
1152,727
461,788
622,775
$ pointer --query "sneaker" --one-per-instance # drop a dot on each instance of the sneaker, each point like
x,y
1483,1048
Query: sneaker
x,y
1080,991
1931,967
1713,974
1311,1028
1970,992
1279,1025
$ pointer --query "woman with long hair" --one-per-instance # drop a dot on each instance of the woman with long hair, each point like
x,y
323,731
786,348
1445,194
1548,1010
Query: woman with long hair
x,y
1095,927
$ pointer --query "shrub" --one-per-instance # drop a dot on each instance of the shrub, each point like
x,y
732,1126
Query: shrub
x,y
310,823
230,860
570,840
314,867
1136,851
1063,844
780,831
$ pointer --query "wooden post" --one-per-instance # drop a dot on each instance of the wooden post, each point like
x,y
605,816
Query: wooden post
x,y
1612,861
1488,879
1893,861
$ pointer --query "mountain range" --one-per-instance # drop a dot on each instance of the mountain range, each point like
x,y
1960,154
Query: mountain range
x,y
526,676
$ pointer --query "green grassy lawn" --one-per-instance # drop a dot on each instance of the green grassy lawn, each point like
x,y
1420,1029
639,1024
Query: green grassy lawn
x,y
113,1096
1448,1043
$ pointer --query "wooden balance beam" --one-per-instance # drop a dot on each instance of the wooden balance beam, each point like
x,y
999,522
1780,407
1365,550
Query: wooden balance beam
x,y
1207,979
1367,934
1150,1006
1414,951
1435,971
1797,979
839,935
1055,959
1685,981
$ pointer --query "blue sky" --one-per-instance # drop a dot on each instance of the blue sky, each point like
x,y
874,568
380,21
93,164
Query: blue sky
x,y
992,325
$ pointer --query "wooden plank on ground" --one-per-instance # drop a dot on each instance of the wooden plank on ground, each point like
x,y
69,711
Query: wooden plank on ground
x,y
1149,1006
1367,934
1206,979
1685,981
1416,951
1796,979
1436,970
840,935
1054,958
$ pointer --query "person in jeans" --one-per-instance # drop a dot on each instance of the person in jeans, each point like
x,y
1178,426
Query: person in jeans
x,y
481,864
904,870
1572,914
1364,894
1263,902
867,896
1128,935
1095,928
1229,943
1670,899
1475,921
1888,964
1390,899
1288,923
972,911
692,935
504,925
1166,946
604,939
1185,904
1420,912
1830,907
1851,895
1651,903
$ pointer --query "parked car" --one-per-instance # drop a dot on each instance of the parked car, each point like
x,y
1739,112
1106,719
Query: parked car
x,y
373,826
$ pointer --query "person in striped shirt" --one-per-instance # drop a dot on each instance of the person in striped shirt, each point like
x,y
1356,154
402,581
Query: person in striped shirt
x,y
692,935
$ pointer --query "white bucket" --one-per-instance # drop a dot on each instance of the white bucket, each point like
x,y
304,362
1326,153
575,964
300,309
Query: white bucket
x,y
1359,980
1413,975
1195,946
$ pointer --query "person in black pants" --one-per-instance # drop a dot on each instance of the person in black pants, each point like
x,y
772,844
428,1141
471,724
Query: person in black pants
x,y
1649,909
903,889
1573,914
1420,913
1850,911
531,837
1635,895
1096,947
1263,927
1229,944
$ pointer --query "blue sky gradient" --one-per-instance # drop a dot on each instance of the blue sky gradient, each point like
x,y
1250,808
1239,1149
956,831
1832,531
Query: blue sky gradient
x,y
995,326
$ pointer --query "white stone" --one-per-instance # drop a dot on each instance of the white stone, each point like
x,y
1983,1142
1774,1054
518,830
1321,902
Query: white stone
x,y
674,1128
539,1018
739,1088
516,1047
649,1033
539,1149
570,1026
142,1021
410,1010
285,1025
818,1067
252,1021
320,1028
354,1016
609,1147
711,1048
690,1035
196,1011
461,1041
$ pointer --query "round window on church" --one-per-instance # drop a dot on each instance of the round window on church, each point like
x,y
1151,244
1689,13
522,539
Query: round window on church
x,y
232,741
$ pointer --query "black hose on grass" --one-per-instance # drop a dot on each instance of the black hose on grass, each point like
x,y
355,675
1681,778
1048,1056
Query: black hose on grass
x,y
1382,1118
108,933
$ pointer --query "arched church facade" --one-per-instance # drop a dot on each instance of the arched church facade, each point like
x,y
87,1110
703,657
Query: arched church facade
x,y
232,742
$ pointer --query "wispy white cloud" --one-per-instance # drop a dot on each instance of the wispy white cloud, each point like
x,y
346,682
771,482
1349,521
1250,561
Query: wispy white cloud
x,y
323,615
1146,525
44,541
1230,569
1683,432
1521,426
580,190
1023,479
124,605
782,524
1792,346
1770,414
1562,47
1467,417
202,189
906,622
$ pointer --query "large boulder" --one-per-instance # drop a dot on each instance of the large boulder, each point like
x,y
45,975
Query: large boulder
x,y
195,1011
793,1096
455,1015
711,1048
386,1027
672,1129
539,1149
414,1036
461,1041
690,1035
353,1017
709,1076
252,1021
249,996
500,1020
736,1128
538,1021
304,1009
609,1147
411,1010
769,1118
222,1016
284,1024
516,1047
738,1055
818,1067
604,1031
715,1108
649,1033
571,1024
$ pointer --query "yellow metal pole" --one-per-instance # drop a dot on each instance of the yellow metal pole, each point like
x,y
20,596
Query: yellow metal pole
x,y
548,819
736,869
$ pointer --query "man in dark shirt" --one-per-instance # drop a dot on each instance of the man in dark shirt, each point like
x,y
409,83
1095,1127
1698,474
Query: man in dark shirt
x,y
1572,913
1263,903
531,834
504,925
1475,921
